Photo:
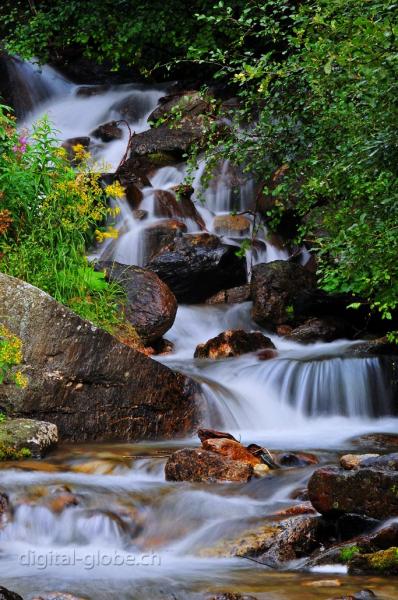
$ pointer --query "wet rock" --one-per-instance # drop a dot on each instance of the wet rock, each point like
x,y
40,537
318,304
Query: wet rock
x,y
151,307
108,132
297,459
87,91
376,441
85,381
284,330
231,449
325,330
365,491
34,437
274,289
377,347
353,461
297,509
188,103
167,205
132,108
161,346
362,595
8,595
170,143
232,296
388,462
231,224
323,583
233,342
160,234
134,194
203,466
212,434
140,215
60,502
196,266
267,354
383,562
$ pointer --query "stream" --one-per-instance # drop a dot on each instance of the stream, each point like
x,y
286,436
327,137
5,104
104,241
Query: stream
x,y
128,534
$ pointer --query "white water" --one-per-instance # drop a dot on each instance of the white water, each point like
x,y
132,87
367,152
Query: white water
x,y
307,397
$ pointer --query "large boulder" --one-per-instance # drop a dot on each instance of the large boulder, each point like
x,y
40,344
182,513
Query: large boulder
x,y
8,595
173,143
85,381
324,329
196,266
233,342
160,234
196,464
367,491
25,437
151,307
189,104
274,289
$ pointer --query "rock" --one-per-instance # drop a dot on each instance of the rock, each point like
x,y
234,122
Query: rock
x,y
132,108
189,103
376,441
231,224
387,462
196,266
108,132
195,464
36,437
8,595
353,461
233,342
362,595
321,583
160,234
62,501
87,91
230,596
140,215
167,205
212,434
297,459
365,491
170,143
267,354
297,509
231,449
232,296
383,562
325,330
134,194
261,470
377,347
284,330
151,307
274,289
83,380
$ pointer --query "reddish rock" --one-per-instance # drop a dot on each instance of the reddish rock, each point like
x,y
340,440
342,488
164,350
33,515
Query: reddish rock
x,y
369,492
231,449
267,354
160,234
232,296
108,132
284,330
168,205
201,465
297,509
209,434
233,342
231,224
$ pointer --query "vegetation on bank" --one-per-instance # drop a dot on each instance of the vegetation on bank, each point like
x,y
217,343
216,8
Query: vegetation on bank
x,y
317,83
50,213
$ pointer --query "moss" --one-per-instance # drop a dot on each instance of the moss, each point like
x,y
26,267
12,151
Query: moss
x,y
161,158
349,552
384,560
12,453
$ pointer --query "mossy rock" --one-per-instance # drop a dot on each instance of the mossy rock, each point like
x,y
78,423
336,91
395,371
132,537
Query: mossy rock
x,y
25,438
384,562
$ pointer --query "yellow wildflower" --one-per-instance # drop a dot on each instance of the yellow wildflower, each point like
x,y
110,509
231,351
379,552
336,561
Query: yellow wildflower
x,y
80,152
20,379
115,190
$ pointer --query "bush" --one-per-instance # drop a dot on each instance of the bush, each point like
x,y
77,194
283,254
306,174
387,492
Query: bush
x,y
50,212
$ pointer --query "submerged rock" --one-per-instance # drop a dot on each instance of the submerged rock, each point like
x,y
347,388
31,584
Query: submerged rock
x,y
367,491
383,562
26,437
85,381
231,224
151,307
354,461
196,266
233,342
8,595
362,595
230,596
195,464
274,289
108,132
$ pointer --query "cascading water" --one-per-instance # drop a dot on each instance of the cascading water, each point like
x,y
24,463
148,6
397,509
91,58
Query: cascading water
x,y
100,521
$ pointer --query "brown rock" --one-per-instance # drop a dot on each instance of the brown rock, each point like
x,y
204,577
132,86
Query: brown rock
x,y
168,205
376,441
140,215
125,395
297,509
230,596
233,342
209,434
326,329
353,461
231,224
159,235
365,491
200,465
383,562
62,501
232,296
58,596
284,330
108,132
231,449
151,307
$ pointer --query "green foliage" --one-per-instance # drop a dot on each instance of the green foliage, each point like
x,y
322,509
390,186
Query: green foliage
x,y
49,214
349,552
10,357
321,103
11,453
